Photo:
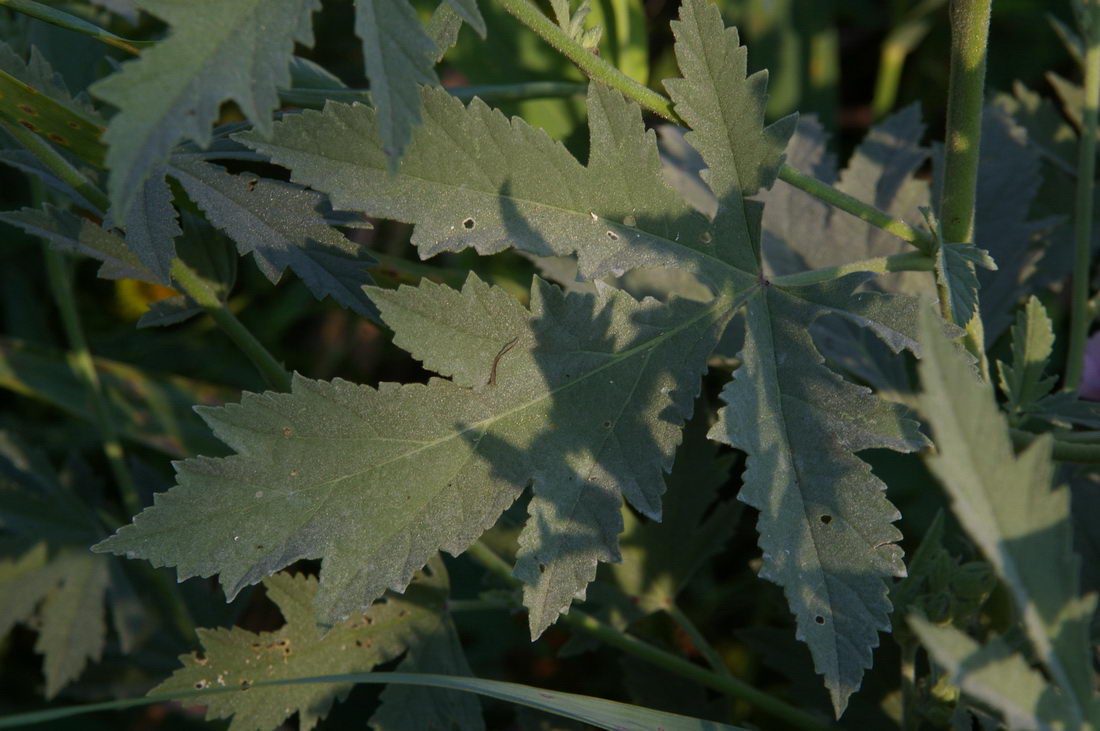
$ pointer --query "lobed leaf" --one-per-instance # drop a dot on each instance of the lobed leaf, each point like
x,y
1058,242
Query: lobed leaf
x,y
238,658
282,226
1006,504
218,50
586,403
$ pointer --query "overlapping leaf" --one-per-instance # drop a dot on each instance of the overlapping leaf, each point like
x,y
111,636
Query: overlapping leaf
x,y
47,576
396,625
282,226
472,178
218,50
583,396
1006,504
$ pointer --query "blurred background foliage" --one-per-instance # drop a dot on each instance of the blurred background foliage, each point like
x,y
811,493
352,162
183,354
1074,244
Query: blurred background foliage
x,y
848,62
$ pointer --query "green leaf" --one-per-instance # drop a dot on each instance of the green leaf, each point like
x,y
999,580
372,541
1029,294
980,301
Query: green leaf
x,y
66,231
47,577
993,674
597,712
724,107
881,171
32,95
583,394
1022,382
1006,504
218,50
825,525
399,55
282,226
238,658
152,225
659,558
473,178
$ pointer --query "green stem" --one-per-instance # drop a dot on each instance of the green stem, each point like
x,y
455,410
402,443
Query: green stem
x,y
598,69
910,261
64,20
58,165
84,367
725,684
493,93
711,655
1080,318
194,287
920,239
965,97
273,372
1063,450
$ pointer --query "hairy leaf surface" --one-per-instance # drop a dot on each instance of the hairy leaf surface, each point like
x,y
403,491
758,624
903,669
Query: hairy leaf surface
x,y
1006,504
583,396
218,50
472,178
238,658
282,226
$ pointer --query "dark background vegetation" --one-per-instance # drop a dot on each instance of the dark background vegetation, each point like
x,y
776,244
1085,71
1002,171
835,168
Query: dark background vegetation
x,y
823,56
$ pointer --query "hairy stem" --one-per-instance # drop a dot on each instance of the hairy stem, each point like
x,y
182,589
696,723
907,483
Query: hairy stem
x,y
920,239
598,69
965,97
1080,317
61,19
725,684
910,261
194,287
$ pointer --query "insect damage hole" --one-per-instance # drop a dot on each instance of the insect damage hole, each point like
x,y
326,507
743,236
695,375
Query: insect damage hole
x,y
819,619
826,519
612,235
469,224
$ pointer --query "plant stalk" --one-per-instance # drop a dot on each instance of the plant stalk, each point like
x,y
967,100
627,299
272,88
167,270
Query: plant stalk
x,y
707,650
84,367
188,281
910,261
1080,317
965,97
598,69
194,287
725,684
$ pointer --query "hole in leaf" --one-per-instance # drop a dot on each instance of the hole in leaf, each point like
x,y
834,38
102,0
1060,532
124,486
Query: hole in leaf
x,y
607,425
819,619
826,519
612,235
469,224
